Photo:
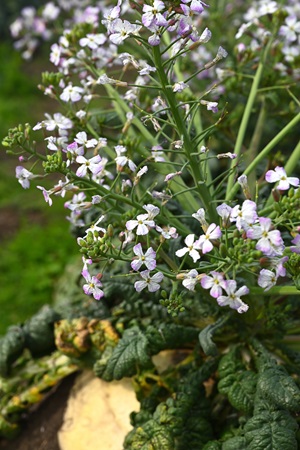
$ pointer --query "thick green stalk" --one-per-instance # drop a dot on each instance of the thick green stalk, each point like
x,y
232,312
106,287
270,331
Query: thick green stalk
x,y
196,170
246,116
265,151
293,160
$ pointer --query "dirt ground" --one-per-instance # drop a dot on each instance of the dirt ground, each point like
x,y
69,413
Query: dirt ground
x,y
40,427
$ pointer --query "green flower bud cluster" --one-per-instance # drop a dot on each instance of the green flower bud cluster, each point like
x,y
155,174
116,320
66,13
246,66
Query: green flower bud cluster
x,y
51,78
243,251
16,136
293,268
289,205
93,246
54,163
173,303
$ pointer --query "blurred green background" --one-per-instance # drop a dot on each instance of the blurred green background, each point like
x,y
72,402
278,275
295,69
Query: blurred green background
x,y
35,243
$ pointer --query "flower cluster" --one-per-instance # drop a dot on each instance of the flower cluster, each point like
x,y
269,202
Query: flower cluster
x,y
144,186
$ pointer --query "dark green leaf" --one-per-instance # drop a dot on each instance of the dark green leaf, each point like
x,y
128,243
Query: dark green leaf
x,y
131,353
11,347
279,387
271,431
150,436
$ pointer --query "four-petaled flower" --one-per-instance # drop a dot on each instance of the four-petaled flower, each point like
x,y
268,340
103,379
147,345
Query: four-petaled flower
x,y
232,299
93,285
191,248
213,232
142,223
190,279
147,258
215,283
279,174
93,165
152,283
270,242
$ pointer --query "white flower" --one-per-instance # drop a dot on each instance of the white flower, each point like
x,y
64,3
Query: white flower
x,y
232,299
121,30
71,93
279,174
151,282
266,279
191,248
142,223
93,165
148,258
23,175
191,279
93,41
213,232
215,283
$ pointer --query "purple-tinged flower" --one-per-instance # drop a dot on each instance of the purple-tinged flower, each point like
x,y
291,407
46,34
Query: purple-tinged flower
x,y
93,165
151,210
152,283
211,106
213,232
71,93
279,174
153,16
266,279
167,232
296,247
170,176
190,279
122,160
142,223
121,30
180,86
149,258
24,176
46,195
270,242
232,299
224,211
227,155
215,283
200,216
191,248
244,217
93,285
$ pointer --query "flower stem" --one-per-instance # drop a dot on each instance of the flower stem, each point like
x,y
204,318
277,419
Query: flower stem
x,y
246,116
182,130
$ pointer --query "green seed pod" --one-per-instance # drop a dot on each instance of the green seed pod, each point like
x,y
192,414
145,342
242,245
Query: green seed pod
x,y
110,230
223,250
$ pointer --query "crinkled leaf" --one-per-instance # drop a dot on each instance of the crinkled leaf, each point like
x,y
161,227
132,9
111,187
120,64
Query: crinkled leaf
x,y
235,443
150,436
271,431
230,363
279,387
131,352
240,389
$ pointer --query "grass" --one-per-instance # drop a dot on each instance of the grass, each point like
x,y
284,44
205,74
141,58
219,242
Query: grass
x,y
35,244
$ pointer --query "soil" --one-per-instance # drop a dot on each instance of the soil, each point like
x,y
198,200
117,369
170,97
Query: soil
x,y
39,428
